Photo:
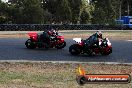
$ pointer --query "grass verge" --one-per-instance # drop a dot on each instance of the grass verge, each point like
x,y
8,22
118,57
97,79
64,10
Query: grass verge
x,y
113,34
55,75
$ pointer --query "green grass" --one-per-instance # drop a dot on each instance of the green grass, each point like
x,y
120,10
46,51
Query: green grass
x,y
28,78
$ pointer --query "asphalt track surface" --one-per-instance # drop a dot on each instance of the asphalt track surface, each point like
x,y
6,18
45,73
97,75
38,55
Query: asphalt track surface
x,y
14,49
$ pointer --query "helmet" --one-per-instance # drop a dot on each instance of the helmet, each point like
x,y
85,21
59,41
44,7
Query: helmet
x,y
99,33
49,32
53,31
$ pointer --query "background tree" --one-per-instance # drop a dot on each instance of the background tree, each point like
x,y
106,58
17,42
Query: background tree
x,y
59,9
75,6
86,10
66,11
3,12
26,11
103,13
126,7
32,11
63,11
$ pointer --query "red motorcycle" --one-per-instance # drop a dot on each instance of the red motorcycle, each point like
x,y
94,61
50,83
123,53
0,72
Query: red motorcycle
x,y
104,48
35,42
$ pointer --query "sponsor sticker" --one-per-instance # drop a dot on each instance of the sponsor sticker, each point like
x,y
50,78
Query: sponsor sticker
x,y
84,78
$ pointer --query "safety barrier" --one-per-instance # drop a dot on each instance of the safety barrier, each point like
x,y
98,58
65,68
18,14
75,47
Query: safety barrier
x,y
41,27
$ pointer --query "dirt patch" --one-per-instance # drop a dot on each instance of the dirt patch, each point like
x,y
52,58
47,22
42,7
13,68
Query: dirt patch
x,y
69,34
13,36
55,75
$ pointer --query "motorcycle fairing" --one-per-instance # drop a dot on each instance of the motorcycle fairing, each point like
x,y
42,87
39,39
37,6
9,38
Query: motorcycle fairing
x,y
33,36
78,40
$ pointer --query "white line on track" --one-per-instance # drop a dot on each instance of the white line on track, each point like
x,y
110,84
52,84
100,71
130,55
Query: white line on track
x,y
65,62
129,40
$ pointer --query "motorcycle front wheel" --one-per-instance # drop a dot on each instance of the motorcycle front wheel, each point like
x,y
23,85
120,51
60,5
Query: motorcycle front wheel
x,y
109,51
74,49
61,45
29,44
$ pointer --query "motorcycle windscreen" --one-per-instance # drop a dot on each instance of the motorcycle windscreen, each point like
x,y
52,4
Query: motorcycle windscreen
x,y
61,37
108,42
